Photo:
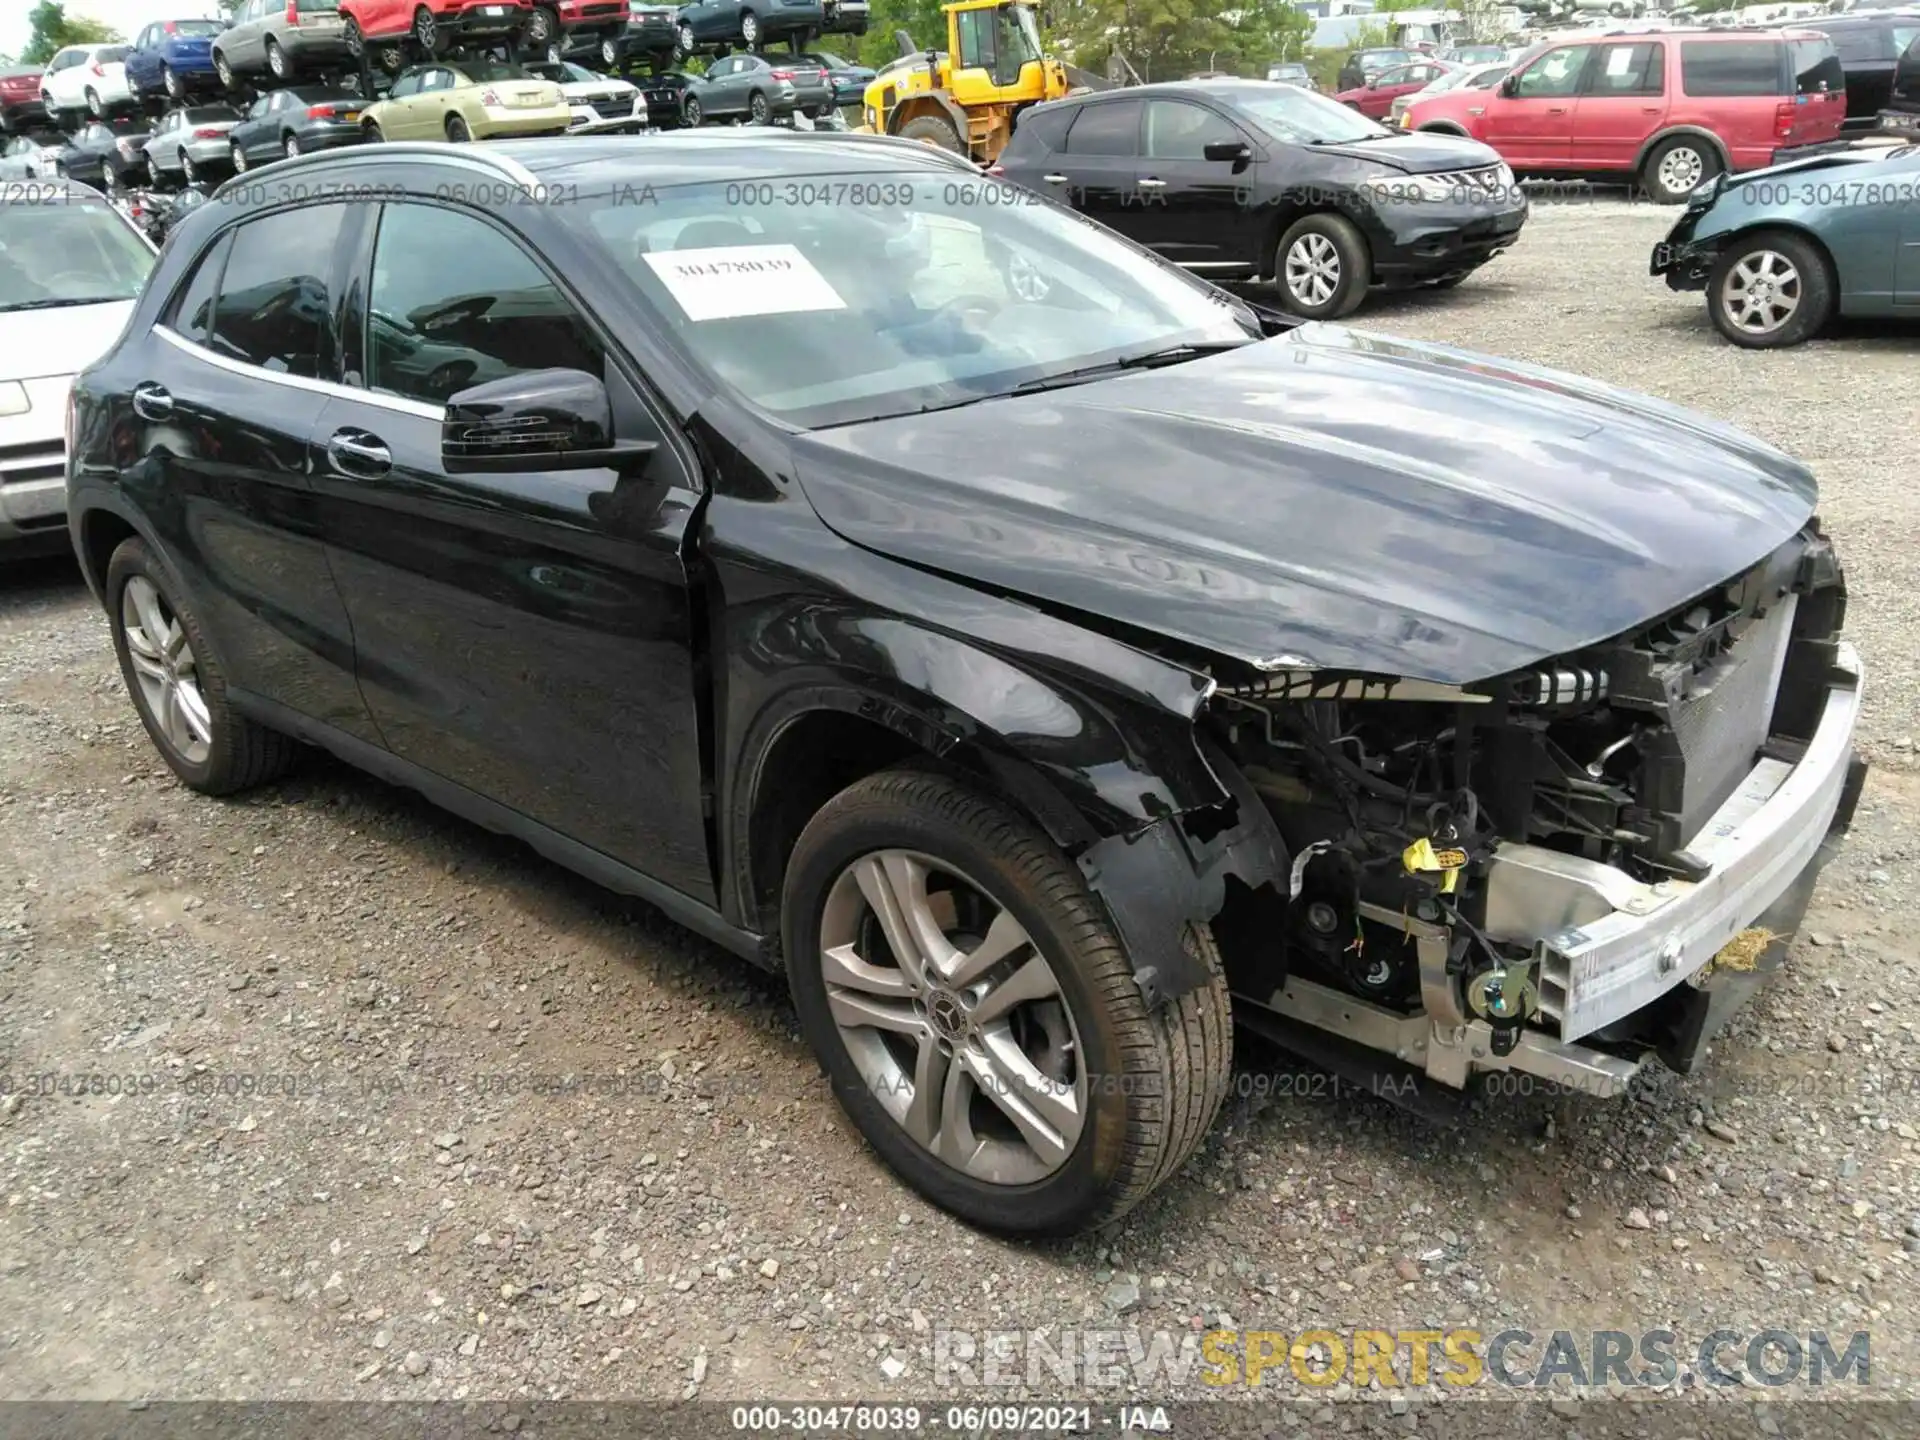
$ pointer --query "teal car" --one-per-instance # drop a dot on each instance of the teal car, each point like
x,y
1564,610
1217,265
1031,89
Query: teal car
x,y
1782,251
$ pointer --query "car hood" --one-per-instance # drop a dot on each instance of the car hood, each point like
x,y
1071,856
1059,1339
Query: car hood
x,y
1417,154
34,343
1331,498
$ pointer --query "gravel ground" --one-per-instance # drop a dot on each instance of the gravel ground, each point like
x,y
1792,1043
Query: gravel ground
x,y
415,1114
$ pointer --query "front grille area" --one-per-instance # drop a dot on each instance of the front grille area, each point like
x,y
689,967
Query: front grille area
x,y
21,463
1483,181
620,107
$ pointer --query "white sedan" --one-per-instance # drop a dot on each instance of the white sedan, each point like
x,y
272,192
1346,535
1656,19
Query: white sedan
x,y
601,104
69,275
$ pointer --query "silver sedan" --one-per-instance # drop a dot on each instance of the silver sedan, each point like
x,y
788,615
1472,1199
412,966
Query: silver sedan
x,y
191,142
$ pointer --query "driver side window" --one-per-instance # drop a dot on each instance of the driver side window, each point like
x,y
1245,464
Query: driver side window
x,y
432,330
1555,73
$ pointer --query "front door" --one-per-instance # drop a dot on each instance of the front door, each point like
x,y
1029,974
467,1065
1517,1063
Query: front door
x,y
1195,211
1532,128
527,636
1622,103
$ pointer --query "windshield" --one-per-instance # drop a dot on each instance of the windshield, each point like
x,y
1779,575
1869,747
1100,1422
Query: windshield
x,y
62,251
482,71
913,290
1303,117
1019,35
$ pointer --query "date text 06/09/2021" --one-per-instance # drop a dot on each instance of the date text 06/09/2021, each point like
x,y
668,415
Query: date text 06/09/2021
x,y
971,1420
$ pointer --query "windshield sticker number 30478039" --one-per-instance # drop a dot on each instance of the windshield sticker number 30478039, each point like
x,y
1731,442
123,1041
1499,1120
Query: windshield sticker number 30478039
x,y
729,281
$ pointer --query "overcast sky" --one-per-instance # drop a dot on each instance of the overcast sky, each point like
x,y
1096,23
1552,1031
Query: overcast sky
x,y
129,17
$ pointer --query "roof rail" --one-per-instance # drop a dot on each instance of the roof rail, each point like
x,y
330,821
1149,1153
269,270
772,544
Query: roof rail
x,y
471,157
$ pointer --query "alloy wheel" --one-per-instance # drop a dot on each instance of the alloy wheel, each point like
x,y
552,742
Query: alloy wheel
x,y
757,110
692,111
1681,169
293,147
426,30
170,82
687,41
164,664
189,172
239,157
609,52
1761,292
224,71
1313,269
351,37
750,29
954,1018
277,62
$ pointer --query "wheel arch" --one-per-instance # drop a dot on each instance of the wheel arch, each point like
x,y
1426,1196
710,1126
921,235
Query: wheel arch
x,y
1675,132
928,102
1443,127
103,527
1156,820
1794,227
1289,211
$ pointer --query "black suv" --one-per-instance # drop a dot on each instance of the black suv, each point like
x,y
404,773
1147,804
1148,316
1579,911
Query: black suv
x,y
1869,48
1242,179
1040,655
1903,105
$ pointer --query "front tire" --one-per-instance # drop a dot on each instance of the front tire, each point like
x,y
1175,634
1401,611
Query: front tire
x,y
684,42
189,172
543,29
1323,267
1676,168
178,686
1770,290
95,106
935,130
223,71
979,1018
690,112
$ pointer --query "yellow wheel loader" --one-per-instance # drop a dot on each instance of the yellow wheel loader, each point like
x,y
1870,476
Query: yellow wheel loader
x,y
965,98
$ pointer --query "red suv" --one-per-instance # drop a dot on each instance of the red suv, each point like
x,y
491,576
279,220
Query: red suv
x,y
556,26
433,24
1673,108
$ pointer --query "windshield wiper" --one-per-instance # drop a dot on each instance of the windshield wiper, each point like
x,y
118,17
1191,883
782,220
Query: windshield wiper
x,y
1152,359
1355,139
61,304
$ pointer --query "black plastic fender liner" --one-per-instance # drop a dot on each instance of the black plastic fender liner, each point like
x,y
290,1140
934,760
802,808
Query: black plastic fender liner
x,y
1156,881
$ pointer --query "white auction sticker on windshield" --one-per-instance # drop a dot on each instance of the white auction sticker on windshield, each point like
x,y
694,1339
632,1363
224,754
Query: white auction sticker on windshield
x,y
727,282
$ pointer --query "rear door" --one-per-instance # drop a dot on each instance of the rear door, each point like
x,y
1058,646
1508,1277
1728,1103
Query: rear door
x,y
1195,211
1622,103
1533,127
222,397
1101,161
526,636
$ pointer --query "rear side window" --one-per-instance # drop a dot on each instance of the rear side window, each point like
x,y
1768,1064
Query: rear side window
x,y
275,308
192,314
1730,67
1635,69
1109,129
113,54
1816,69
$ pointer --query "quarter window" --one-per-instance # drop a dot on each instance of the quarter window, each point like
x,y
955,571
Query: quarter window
x,y
276,305
1730,67
434,329
193,312
1110,128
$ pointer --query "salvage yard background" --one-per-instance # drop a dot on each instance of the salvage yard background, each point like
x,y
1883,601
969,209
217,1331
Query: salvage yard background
x,y
397,1208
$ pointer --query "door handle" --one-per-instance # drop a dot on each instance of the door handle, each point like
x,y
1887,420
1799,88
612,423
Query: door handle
x,y
1054,179
1650,109
152,402
1150,183
1556,110
356,452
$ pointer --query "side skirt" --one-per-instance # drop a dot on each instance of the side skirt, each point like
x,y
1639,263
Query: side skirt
x,y
602,869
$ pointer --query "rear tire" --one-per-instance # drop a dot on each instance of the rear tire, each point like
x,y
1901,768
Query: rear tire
x,y
759,112
750,30
1675,168
277,63
1148,1082
223,70
691,113
95,106
171,83
457,131
239,753
1323,267
934,130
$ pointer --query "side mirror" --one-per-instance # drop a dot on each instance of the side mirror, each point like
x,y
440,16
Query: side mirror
x,y
1510,86
1237,151
541,420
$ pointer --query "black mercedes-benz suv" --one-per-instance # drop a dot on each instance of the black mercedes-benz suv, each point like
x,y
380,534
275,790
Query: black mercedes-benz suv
x,y
1242,180
1042,656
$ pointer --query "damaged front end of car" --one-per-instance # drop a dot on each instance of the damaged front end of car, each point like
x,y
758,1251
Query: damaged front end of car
x,y
1565,871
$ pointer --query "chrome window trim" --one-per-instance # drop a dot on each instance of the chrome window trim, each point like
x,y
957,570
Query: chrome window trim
x,y
300,382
